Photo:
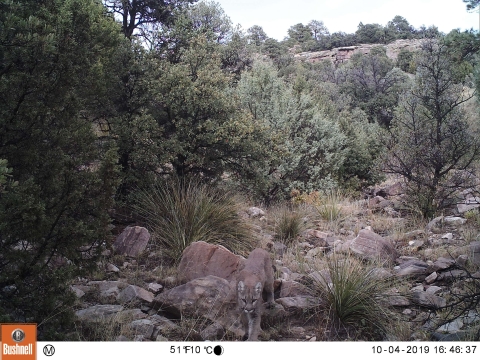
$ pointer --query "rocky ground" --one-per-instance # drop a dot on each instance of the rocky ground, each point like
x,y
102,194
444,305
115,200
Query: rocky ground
x,y
428,266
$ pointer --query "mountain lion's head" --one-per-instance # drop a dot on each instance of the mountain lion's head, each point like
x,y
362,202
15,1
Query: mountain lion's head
x,y
249,297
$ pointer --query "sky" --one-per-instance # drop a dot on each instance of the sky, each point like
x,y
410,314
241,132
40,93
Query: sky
x,y
276,16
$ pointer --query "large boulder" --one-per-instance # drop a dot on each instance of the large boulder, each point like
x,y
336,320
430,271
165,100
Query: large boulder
x,y
371,246
132,241
201,259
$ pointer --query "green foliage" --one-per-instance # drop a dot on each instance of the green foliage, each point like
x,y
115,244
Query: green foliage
x,y
139,15
256,35
462,48
406,61
353,298
302,149
53,223
374,84
204,131
182,211
431,142
371,34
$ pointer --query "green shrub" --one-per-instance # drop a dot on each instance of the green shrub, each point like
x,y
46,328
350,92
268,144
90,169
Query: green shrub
x,y
352,294
180,212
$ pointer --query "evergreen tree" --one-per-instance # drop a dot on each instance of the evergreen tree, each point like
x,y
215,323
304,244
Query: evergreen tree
x,y
54,222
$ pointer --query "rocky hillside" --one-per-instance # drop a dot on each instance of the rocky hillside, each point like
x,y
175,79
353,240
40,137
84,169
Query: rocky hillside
x,y
429,274
342,54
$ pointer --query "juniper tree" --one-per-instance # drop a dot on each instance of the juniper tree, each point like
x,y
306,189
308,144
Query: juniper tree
x,y
53,222
430,142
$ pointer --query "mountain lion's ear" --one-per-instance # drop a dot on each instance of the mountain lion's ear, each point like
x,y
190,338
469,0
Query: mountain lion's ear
x,y
241,286
258,288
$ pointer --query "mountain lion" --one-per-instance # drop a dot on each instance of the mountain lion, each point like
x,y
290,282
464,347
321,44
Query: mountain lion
x,y
255,279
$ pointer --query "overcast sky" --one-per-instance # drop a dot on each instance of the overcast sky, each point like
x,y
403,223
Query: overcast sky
x,y
276,16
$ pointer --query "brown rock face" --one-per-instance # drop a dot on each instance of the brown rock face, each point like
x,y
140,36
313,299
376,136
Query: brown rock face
x,y
343,54
132,241
201,259
372,246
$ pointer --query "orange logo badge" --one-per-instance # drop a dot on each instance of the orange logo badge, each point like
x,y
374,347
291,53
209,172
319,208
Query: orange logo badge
x,y
19,341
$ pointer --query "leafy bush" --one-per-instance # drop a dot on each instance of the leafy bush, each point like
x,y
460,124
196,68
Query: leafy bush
x,y
181,211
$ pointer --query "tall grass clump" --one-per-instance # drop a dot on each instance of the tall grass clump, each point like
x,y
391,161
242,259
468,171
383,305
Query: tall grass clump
x,y
328,206
289,223
353,297
180,212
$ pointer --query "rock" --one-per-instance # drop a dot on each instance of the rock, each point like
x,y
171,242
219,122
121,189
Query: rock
x,y
106,285
205,296
162,324
343,54
454,220
431,278
143,327
133,314
292,289
469,204
372,246
462,260
451,327
474,249
452,275
132,241
112,268
312,233
98,313
412,268
458,336
447,236
213,332
298,304
433,289
435,224
381,273
255,212
428,300
155,288
411,235
78,293
394,189
133,293
416,244
201,259
398,300
441,264
110,295
161,338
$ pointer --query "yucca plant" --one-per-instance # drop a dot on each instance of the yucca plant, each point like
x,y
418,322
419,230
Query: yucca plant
x,y
180,212
352,294
289,222
328,206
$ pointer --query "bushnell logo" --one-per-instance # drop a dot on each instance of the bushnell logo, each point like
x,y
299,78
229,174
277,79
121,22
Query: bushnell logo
x,y
18,335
